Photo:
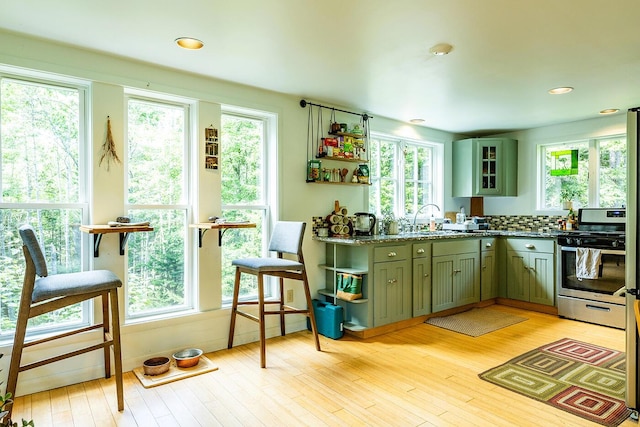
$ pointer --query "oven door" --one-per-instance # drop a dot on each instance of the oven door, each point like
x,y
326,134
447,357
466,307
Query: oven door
x,y
610,284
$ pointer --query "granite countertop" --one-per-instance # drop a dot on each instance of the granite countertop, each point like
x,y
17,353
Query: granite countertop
x,y
433,235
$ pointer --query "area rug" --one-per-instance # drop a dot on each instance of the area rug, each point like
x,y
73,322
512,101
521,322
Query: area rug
x,y
583,379
476,322
174,373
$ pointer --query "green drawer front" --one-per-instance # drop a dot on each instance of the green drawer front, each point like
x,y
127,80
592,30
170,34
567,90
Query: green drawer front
x,y
531,245
422,250
488,244
390,253
458,246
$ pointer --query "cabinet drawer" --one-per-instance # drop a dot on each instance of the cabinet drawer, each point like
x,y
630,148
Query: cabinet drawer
x,y
390,253
458,246
531,245
422,250
488,244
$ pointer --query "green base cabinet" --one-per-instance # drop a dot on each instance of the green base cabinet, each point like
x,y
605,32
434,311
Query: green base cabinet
x,y
455,274
488,269
391,284
421,279
485,167
531,271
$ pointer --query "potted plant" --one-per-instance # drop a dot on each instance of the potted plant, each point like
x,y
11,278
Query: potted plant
x,y
5,419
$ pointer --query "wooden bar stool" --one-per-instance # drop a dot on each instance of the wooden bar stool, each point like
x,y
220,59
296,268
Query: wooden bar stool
x,y
286,239
45,293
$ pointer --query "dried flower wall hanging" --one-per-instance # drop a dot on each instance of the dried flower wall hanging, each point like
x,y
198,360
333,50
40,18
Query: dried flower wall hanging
x,y
109,148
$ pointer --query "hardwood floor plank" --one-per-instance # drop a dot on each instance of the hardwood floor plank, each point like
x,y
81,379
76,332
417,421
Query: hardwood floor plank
x,y
418,376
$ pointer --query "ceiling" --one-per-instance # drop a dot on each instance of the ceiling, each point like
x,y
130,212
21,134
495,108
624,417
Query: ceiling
x,y
373,56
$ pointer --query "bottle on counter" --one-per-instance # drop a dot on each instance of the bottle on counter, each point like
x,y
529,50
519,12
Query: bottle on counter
x,y
432,223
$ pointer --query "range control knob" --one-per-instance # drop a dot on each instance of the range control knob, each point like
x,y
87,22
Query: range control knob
x,y
569,240
615,243
578,242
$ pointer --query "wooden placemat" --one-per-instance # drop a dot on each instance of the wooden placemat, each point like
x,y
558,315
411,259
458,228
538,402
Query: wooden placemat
x,y
174,373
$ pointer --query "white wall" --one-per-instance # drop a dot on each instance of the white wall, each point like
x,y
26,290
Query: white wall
x,y
207,328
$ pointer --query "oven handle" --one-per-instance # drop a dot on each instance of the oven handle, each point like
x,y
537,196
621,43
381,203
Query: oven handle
x,y
602,251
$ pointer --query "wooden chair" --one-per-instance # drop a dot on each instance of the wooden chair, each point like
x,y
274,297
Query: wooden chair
x,y
46,293
286,239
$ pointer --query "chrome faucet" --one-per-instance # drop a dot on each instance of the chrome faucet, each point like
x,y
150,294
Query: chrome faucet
x,y
415,217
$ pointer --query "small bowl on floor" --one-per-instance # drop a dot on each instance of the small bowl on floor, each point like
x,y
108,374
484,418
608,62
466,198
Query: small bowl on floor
x,y
187,358
156,365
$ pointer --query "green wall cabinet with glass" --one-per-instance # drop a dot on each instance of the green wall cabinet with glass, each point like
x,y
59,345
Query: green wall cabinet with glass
x,y
455,269
530,270
485,167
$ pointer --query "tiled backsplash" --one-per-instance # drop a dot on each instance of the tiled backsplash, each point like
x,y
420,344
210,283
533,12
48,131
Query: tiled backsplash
x,y
538,223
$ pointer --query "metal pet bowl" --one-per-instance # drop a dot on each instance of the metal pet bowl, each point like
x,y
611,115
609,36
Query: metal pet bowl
x,y
187,358
156,365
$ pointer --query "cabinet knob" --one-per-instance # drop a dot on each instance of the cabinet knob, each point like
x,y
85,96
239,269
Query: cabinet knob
x,y
391,254
426,274
392,281
420,251
489,245
530,246
457,271
484,267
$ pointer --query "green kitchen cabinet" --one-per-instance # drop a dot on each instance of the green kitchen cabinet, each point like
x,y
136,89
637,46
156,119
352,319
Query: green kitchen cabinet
x,y
531,270
488,269
455,274
485,167
421,278
391,284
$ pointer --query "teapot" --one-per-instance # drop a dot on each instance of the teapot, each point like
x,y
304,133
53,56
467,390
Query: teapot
x,y
364,224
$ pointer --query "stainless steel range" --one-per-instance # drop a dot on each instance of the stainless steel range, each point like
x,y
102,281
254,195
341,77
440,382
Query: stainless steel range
x,y
591,268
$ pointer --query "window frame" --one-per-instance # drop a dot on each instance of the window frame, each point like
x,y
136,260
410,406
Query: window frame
x,y
83,88
399,181
269,183
593,170
186,205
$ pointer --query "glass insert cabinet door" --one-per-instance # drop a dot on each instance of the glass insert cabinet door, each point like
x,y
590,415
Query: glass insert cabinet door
x,y
489,155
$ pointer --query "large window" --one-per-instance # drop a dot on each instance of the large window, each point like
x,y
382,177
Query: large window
x,y
588,173
247,144
43,171
158,192
405,176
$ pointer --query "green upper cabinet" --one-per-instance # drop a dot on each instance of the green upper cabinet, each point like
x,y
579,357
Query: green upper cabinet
x,y
485,167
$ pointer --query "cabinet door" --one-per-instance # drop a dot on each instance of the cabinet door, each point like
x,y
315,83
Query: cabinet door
x,y
421,286
489,163
541,276
488,275
392,292
518,275
466,279
442,284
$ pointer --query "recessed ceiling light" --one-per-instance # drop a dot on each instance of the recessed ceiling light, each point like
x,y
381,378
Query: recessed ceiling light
x,y
441,49
609,111
560,90
416,121
189,43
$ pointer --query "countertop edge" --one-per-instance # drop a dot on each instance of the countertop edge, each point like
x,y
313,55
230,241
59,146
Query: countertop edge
x,y
369,240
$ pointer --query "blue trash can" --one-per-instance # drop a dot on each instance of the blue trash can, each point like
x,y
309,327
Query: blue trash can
x,y
329,319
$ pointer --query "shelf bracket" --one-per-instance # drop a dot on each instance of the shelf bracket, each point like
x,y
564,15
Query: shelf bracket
x,y
201,232
97,239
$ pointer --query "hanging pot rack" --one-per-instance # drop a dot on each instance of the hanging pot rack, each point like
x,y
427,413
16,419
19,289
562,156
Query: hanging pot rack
x,y
364,116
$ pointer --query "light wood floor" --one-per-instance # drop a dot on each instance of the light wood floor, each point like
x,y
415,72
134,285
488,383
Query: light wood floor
x,y
419,376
